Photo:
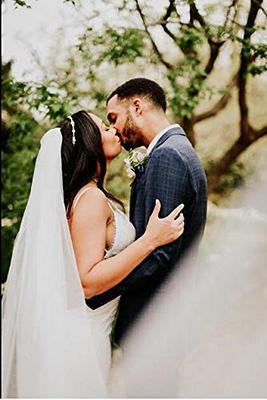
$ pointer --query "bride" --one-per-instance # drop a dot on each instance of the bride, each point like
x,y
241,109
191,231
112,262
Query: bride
x,y
73,236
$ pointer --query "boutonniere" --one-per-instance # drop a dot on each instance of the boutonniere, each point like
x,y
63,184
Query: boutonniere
x,y
135,163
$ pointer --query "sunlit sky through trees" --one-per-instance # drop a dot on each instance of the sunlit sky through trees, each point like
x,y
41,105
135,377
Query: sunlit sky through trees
x,y
29,35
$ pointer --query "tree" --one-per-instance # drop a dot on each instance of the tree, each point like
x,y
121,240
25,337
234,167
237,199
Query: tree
x,y
185,40
198,43
19,143
180,42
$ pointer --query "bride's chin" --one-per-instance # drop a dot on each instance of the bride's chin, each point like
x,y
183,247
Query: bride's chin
x,y
114,155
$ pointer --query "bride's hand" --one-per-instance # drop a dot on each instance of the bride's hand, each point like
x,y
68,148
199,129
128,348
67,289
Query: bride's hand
x,y
160,231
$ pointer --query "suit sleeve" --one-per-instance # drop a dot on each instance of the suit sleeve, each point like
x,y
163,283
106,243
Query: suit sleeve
x,y
167,180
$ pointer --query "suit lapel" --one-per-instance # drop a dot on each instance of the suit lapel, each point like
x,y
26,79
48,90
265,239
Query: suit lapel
x,y
134,185
133,197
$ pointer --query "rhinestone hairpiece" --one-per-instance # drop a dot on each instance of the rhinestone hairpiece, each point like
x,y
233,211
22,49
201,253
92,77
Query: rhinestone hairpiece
x,y
72,129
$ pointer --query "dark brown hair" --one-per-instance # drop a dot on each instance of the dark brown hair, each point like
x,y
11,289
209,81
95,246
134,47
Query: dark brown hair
x,y
141,87
83,161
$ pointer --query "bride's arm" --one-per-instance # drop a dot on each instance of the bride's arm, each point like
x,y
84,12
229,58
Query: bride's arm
x,y
88,232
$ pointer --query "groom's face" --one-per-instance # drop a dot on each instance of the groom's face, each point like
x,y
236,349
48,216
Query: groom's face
x,y
121,118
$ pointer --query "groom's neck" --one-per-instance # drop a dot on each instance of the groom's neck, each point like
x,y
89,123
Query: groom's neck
x,y
154,124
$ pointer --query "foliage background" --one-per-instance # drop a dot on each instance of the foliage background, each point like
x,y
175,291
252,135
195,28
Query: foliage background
x,y
210,56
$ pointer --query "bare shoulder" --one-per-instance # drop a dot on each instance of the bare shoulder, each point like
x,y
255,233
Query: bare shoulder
x,y
92,203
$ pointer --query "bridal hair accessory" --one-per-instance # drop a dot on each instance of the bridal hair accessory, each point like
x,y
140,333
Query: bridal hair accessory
x,y
73,129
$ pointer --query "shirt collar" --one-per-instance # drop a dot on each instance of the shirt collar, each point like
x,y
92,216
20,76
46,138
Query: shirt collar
x,y
159,135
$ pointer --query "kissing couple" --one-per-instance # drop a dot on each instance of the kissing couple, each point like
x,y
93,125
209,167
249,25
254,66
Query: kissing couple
x,y
79,266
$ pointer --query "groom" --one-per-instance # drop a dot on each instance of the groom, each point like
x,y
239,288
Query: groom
x,y
173,174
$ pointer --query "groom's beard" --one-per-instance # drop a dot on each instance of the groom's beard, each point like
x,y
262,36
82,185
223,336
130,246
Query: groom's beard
x,y
131,135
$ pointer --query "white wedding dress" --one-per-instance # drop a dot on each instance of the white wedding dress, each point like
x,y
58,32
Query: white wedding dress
x,y
103,317
53,345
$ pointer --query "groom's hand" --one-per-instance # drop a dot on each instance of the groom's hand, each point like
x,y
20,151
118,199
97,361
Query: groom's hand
x,y
161,231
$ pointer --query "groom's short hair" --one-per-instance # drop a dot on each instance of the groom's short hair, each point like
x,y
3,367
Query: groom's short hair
x,y
141,87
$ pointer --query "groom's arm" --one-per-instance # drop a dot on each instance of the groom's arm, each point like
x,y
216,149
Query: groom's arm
x,y
167,180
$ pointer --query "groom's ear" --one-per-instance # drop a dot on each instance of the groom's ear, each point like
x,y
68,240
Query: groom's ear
x,y
138,105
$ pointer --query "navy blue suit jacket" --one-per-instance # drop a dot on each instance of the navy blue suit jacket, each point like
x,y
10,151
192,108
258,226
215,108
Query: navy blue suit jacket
x,y
173,175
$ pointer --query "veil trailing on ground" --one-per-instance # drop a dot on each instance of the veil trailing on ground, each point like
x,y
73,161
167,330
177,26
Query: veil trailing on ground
x,y
48,350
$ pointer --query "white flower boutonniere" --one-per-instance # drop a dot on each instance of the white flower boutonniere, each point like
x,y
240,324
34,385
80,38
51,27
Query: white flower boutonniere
x,y
136,162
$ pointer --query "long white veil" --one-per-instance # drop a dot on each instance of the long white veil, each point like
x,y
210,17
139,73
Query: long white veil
x,y
48,350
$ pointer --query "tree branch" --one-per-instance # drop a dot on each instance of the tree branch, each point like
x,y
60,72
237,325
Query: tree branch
x,y
155,48
227,17
214,45
247,134
260,132
188,126
215,172
169,33
170,9
214,52
260,6
242,75
219,105
195,16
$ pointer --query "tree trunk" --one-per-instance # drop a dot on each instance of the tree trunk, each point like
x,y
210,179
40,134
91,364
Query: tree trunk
x,y
215,173
188,126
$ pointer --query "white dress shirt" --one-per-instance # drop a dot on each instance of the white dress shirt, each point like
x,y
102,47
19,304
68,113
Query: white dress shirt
x,y
158,136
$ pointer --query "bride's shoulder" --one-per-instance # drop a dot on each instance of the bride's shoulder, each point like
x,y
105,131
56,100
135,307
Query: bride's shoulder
x,y
90,199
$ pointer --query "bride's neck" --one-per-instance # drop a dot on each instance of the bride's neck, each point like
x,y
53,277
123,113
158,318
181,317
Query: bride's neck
x,y
93,181
107,171
108,164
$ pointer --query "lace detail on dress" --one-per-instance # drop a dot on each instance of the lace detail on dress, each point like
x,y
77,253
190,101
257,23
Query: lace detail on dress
x,y
124,232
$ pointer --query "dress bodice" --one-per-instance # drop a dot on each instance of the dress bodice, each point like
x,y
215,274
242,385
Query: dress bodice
x,y
124,233
103,317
